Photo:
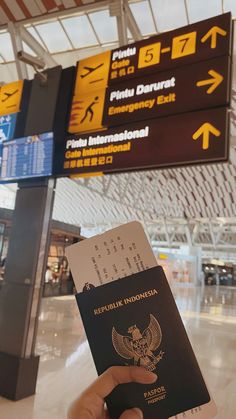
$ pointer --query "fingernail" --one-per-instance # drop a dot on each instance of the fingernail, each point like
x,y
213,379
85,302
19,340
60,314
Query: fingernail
x,y
139,412
151,375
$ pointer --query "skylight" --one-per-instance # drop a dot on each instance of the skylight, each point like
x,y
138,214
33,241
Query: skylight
x,y
200,10
143,17
80,31
6,50
169,14
54,36
105,26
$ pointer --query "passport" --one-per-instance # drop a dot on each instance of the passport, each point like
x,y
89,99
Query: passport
x,y
135,321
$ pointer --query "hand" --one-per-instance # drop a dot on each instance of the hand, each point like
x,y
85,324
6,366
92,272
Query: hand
x,y
90,405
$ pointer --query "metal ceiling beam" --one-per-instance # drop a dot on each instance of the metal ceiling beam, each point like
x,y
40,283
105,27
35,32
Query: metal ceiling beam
x,y
205,246
17,46
223,6
88,8
168,239
218,234
186,11
153,17
212,234
36,47
188,235
105,185
132,24
195,233
117,9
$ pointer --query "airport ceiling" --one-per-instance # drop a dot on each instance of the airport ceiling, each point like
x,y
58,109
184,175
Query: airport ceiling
x,y
194,205
87,27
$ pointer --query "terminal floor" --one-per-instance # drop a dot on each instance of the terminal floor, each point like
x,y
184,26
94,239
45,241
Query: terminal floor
x,y
66,366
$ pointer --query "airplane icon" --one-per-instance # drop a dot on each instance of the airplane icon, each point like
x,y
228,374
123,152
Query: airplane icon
x,y
8,95
90,70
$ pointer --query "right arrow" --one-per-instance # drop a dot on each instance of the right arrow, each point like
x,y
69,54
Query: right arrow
x,y
204,131
212,33
214,81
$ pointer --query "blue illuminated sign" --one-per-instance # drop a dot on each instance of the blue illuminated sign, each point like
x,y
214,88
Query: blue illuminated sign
x,y
7,126
27,157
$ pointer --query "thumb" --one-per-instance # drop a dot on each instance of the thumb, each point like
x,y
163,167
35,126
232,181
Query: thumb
x,y
132,414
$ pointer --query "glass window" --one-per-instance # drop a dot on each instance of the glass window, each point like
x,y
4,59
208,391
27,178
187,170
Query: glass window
x,y
169,14
79,31
6,50
230,6
143,17
54,37
35,34
105,26
202,9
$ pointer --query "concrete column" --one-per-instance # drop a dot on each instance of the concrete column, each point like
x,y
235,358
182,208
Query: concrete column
x,y
21,292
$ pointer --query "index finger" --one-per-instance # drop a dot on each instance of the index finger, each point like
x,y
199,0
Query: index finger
x,y
114,376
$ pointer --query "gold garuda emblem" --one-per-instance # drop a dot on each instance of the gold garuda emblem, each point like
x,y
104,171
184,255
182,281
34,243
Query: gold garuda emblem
x,y
140,346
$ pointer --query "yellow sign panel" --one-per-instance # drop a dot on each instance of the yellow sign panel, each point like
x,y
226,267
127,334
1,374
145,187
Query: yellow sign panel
x,y
91,174
87,111
163,256
184,45
149,55
93,73
10,97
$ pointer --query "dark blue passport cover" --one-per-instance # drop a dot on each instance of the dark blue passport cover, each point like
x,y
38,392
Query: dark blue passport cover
x,y
135,320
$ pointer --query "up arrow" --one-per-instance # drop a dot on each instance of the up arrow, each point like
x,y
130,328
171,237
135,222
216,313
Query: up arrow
x,y
212,33
204,131
214,81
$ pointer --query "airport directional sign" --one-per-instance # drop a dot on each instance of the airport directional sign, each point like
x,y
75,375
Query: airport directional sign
x,y
178,71
190,138
190,44
159,102
183,89
197,86
197,42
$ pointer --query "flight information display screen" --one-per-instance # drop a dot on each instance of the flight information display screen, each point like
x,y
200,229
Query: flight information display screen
x,y
27,157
